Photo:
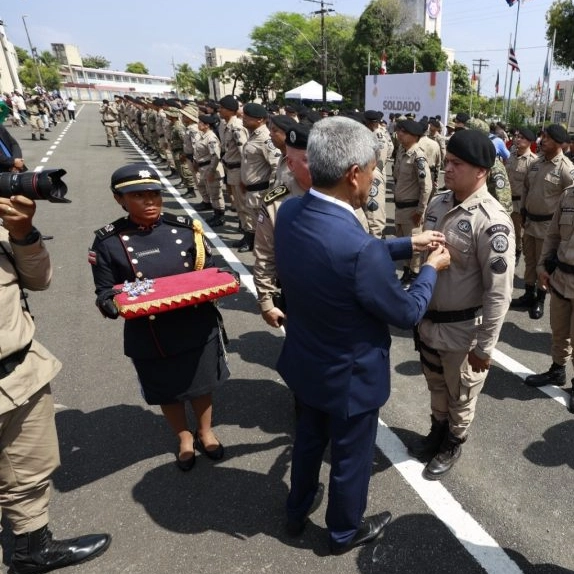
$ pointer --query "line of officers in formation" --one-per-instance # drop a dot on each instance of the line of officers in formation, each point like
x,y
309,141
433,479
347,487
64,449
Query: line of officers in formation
x,y
255,157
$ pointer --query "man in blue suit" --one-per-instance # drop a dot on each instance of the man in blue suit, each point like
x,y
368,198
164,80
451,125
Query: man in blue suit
x,y
342,292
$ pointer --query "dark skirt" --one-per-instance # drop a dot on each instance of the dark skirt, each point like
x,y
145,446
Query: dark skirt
x,y
183,377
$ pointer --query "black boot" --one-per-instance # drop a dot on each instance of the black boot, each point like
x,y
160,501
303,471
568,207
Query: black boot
x,y
571,402
525,301
556,375
426,447
117,143
203,206
109,143
240,242
449,452
217,219
249,242
43,137
536,311
173,173
34,137
36,552
190,193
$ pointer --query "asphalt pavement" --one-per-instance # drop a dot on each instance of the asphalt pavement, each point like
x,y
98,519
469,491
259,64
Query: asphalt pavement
x,y
505,508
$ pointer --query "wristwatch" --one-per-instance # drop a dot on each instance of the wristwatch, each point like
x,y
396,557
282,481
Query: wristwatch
x,y
30,239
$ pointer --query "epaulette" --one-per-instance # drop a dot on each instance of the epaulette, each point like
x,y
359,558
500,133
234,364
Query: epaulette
x,y
178,220
112,228
276,192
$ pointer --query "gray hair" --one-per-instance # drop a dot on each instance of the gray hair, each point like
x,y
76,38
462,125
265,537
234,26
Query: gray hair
x,y
335,144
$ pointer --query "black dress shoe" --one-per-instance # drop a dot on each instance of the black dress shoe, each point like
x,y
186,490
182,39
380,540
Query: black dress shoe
x,y
215,454
370,529
295,527
185,465
203,206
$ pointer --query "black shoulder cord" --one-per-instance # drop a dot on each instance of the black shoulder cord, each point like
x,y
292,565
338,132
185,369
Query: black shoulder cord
x,y
23,294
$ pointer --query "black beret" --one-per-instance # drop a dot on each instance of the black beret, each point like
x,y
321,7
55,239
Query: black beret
x,y
273,108
254,111
461,117
105,101
434,122
557,133
373,116
207,119
314,116
472,146
290,109
297,136
527,134
229,103
411,127
135,177
283,122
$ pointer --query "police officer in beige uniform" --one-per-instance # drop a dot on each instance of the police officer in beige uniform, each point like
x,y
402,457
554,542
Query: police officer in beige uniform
x,y
35,109
372,215
206,154
258,166
517,167
435,133
28,440
549,175
295,183
556,274
413,186
233,136
373,122
461,327
433,155
189,118
278,127
111,120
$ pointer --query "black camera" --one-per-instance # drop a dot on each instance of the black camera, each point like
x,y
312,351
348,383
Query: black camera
x,y
35,185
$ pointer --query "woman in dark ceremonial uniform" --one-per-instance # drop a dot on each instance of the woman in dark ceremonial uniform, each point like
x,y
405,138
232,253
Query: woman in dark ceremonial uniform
x,y
178,355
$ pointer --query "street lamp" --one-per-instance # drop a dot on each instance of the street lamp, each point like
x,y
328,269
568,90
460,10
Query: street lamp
x,y
33,52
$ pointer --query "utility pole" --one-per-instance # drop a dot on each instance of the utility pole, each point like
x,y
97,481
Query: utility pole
x,y
481,63
33,52
323,11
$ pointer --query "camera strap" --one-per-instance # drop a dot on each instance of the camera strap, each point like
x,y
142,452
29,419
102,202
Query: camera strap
x,y
4,149
23,294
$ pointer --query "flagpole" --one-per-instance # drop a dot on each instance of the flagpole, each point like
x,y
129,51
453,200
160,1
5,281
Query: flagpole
x,y
369,64
512,68
505,81
549,72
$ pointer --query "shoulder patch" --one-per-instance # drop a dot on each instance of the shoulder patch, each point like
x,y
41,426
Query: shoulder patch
x,y
420,162
464,226
270,144
499,243
274,194
177,220
498,228
112,228
498,265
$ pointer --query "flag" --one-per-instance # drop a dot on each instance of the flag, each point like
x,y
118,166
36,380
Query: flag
x,y
511,2
546,76
518,87
497,85
512,61
383,67
473,81
557,93
538,86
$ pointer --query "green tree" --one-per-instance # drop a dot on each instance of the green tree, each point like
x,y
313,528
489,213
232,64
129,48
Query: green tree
x,y
560,19
202,79
98,62
28,74
21,54
185,80
256,74
460,79
136,68
415,50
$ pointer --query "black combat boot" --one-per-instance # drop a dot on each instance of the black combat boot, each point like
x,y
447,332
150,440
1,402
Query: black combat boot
x,y
202,206
109,143
449,452
571,402
36,552
190,193
240,242
34,137
525,301
249,242
537,309
425,447
217,219
173,173
117,143
556,375
43,137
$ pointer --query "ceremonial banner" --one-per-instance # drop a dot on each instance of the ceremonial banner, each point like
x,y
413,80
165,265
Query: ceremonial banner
x,y
423,94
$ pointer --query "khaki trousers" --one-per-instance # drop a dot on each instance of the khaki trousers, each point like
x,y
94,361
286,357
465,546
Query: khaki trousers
x,y
531,249
408,230
518,231
211,191
111,131
37,124
454,391
28,456
562,327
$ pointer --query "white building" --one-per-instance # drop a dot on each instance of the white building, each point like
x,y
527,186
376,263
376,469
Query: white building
x,y
562,104
425,13
9,80
215,58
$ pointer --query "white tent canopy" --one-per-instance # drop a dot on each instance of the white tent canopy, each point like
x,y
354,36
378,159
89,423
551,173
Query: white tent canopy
x,y
312,91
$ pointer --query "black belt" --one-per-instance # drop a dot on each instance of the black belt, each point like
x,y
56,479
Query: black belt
x,y
516,197
258,186
233,165
405,204
533,217
453,316
203,163
565,267
8,364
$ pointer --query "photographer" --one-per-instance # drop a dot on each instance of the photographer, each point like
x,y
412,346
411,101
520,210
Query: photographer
x,y
28,440
111,121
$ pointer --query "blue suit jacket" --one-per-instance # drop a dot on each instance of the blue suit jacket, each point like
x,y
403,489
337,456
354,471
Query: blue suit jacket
x,y
341,292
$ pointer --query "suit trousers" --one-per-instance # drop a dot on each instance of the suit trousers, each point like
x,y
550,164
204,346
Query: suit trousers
x,y
28,456
352,448
454,388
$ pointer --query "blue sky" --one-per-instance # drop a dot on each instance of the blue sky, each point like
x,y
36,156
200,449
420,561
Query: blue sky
x,y
158,33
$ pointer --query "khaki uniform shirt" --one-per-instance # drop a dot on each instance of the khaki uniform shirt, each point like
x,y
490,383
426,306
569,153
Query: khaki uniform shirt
x,y
441,141
207,148
385,149
16,325
110,114
559,240
190,136
517,168
433,155
233,137
264,270
544,184
260,158
374,210
480,238
413,182
177,137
